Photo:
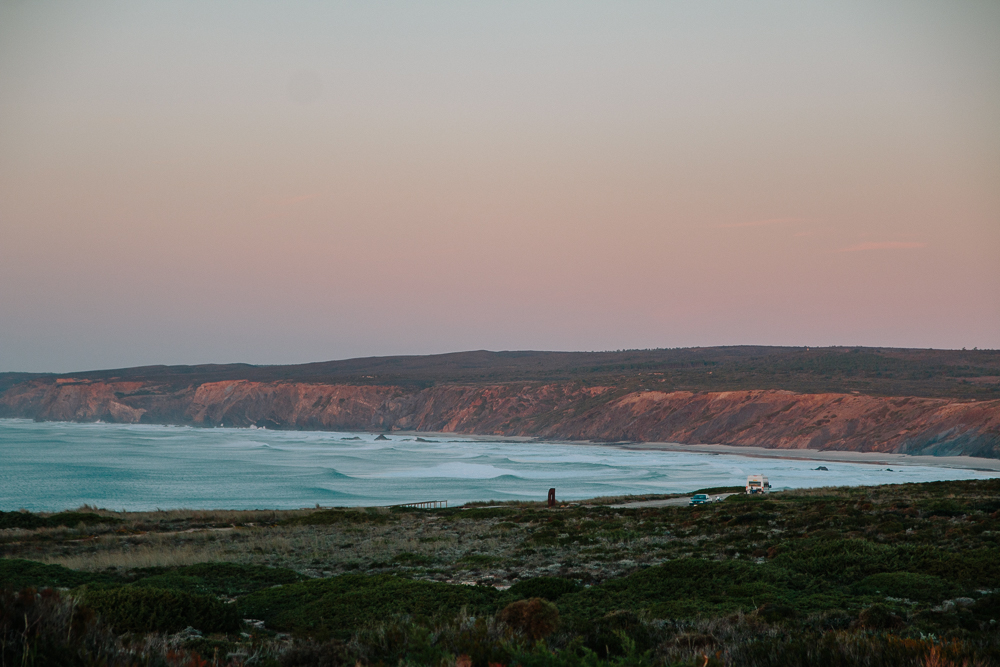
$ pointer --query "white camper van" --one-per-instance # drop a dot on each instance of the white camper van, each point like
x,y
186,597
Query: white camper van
x,y
757,484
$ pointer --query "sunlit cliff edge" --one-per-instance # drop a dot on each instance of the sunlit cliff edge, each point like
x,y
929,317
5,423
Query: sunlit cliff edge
x,y
625,405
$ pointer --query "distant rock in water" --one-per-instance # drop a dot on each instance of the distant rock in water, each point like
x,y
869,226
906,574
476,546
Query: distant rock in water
x,y
422,440
353,438
381,437
823,468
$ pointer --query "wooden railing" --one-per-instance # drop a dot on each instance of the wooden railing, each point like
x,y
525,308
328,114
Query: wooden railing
x,y
427,504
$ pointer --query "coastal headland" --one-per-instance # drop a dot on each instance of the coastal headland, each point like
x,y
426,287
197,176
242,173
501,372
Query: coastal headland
x,y
891,401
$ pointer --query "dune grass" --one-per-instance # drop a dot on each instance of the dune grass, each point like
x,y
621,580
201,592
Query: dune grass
x,y
892,575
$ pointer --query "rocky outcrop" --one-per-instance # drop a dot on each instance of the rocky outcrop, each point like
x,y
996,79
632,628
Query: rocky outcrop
x,y
764,418
787,420
69,400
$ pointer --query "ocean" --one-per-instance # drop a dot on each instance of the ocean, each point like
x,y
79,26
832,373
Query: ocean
x,y
53,466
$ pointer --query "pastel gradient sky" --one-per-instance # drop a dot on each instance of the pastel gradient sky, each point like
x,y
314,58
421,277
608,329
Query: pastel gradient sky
x,y
280,182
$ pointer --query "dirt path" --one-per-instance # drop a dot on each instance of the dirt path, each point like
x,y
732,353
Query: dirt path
x,y
671,502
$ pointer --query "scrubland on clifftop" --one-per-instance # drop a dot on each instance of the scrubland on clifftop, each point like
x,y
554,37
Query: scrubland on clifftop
x,y
856,399
890,575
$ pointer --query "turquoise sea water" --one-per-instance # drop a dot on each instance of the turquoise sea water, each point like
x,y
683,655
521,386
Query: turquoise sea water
x,y
55,466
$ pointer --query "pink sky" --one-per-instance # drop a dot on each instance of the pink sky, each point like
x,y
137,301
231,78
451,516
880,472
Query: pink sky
x,y
195,182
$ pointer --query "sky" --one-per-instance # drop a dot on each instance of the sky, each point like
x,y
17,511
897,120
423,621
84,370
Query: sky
x,y
210,182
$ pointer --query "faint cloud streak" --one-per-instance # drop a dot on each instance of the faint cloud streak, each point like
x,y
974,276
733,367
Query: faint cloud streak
x,y
296,200
884,245
762,223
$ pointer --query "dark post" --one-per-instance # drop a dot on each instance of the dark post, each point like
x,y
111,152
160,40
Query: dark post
x,y
552,497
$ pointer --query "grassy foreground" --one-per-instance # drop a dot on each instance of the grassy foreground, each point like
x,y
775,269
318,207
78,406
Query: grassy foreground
x,y
892,575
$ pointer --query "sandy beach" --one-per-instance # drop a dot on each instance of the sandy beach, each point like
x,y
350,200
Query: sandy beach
x,y
875,458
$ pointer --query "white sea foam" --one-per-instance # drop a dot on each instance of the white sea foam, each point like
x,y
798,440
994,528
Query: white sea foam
x,y
54,466
452,469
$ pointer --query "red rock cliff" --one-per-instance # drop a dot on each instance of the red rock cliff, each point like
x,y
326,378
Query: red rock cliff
x,y
765,418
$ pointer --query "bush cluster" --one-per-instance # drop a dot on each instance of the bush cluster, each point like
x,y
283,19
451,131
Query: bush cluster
x,y
142,609
30,521
903,575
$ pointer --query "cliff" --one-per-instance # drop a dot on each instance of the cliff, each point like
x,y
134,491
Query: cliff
x,y
553,410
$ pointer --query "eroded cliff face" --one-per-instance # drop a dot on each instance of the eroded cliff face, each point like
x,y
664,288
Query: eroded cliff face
x,y
786,420
765,418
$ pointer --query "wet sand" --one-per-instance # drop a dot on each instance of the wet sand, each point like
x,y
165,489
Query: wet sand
x,y
875,458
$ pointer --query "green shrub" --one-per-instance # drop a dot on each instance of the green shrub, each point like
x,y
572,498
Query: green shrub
x,y
840,560
880,617
988,607
535,617
548,588
459,640
29,521
336,607
412,559
917,587
543,537
47,628
692,587
968,567
208,647
25,520
775,612
139,609
540,655
617,633
481,560
890,527
486,513
331,517
73,519
43,628
945,508
17,573
227,579
314,654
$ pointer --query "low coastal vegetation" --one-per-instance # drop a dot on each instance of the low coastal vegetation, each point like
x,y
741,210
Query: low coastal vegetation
x,y
891,575
929,402
963,373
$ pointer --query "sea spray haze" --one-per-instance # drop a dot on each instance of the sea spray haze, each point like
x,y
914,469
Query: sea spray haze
x,y
53,466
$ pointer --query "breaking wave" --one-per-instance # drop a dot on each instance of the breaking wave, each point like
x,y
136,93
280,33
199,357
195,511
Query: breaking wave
x,y
52,466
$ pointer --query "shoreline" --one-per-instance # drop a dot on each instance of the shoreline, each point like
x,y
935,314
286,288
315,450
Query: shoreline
x,y
403,451
975,463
